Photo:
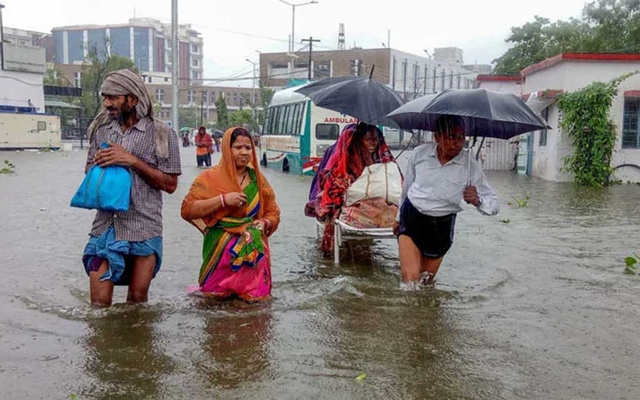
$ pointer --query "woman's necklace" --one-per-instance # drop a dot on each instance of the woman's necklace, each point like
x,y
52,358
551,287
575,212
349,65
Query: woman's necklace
x,y
243,176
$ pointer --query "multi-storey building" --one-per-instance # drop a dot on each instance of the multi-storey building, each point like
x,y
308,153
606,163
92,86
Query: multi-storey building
x,y
147,42
21,37
409,74
201,98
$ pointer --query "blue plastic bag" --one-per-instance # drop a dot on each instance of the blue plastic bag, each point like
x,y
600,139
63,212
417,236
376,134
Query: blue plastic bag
x,y
104,188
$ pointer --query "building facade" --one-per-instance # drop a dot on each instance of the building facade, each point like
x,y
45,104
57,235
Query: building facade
x,y
409,74
202,99
572,71
146,42
199,97
23,123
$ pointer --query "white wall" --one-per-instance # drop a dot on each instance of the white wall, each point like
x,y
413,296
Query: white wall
x,y
16,88
502,86
570,76
23,131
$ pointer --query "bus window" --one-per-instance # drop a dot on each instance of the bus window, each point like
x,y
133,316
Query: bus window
x,y
277,114
327,131
267,120
297,121
290,118
282,120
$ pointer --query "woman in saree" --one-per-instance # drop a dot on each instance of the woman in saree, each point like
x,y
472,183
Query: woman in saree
x,y
358,146
235,208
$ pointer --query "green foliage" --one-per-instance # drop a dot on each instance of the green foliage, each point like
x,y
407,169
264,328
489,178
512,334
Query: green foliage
x,y
8,168
245,100
538,40
223,113
241,118
521,203
615,26
606,26
505,220
587,122
96,66
266,94
187,117
630,264
361,377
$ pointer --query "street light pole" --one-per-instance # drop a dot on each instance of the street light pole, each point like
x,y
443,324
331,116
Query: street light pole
x,y
1,39
174,66
253,91
293,19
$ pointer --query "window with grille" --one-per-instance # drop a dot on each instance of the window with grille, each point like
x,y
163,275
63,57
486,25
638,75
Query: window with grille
x,y
543,133
630,134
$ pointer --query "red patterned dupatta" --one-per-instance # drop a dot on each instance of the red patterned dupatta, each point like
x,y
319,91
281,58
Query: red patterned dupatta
x,y
346,164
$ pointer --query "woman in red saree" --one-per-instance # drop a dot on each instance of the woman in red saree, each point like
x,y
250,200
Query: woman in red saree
x,y
235,208
357,147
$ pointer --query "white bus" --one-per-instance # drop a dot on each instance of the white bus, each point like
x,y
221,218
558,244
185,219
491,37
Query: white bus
x,y
296,132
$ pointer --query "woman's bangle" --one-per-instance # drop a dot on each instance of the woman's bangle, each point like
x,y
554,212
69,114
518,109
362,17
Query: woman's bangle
x,y
222,200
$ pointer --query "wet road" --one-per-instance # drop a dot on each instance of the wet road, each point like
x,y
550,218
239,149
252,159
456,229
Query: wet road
x,y
537,308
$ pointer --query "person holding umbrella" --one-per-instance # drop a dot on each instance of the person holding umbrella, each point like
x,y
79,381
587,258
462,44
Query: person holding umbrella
x,y
438,177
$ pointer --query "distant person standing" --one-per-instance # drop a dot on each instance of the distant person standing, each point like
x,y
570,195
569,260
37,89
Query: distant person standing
x,y
204,147
125,248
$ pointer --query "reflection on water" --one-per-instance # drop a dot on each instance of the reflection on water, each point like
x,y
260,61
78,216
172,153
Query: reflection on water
x,y
236,344
535,308
124,355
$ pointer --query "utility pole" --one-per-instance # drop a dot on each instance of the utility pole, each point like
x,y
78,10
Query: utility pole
x,y
292,37
174,64
310,40
1,39
253,92
201,107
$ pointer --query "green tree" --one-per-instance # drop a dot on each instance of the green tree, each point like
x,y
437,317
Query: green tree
x,y
241,118
187,117
96,66
223,113
605,26
538,40
616,25
266,94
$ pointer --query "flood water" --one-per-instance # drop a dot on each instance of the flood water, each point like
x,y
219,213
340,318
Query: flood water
x,y
536,308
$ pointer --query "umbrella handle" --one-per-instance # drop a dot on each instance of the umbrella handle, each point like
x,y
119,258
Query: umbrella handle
x,y
469,163
470,153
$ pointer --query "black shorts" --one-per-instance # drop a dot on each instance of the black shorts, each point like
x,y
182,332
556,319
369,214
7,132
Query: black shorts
x,y
432,235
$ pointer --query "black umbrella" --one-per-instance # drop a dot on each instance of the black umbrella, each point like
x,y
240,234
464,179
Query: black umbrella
x,y
363,98
485,112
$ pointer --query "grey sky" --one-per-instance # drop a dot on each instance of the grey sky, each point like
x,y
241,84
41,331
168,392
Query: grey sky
x,y
234,29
